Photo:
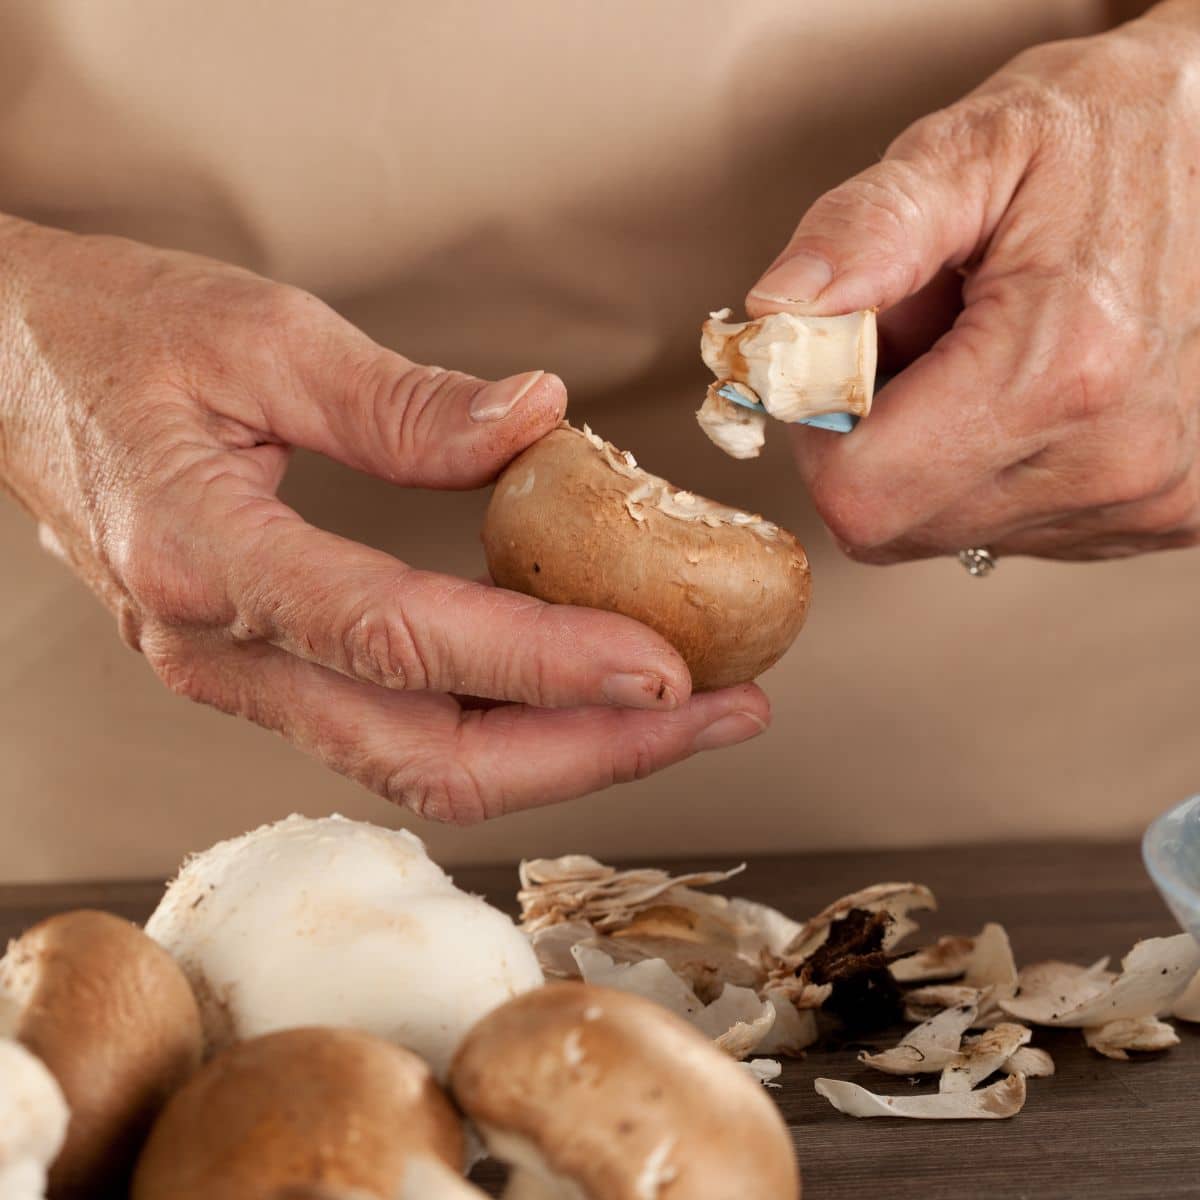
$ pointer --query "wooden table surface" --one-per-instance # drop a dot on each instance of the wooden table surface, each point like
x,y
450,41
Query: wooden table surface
x,y
1098,1128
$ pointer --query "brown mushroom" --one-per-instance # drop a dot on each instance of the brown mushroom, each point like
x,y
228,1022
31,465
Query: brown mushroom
x,y
333,1108
112,1016
594,1094
573,520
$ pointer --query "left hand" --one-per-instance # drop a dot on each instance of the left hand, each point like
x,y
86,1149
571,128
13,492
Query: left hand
x,y
1034,251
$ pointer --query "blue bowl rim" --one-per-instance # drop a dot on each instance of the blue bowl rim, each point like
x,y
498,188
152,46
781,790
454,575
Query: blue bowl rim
x,y
1168,880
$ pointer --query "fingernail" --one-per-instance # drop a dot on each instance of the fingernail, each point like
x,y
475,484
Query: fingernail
x,y
497,400
639,691
728,731
799,280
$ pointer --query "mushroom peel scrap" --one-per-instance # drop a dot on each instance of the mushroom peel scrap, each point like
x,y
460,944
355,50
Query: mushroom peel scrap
x,y
593,1094
33,1122
817,370
303,1107
337,922
113,1018
573,520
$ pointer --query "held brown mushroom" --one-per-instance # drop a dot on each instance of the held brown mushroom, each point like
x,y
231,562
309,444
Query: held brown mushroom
x,y
335,1109
112,1016
573,520
594,1094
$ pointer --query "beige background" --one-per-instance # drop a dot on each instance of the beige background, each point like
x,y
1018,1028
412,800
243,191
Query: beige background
x,y
571,186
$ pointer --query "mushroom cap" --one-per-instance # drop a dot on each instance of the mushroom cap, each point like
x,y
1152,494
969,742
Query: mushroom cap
x,y
112,1016
335,1108
622,1098
571,521
337,922
33,1121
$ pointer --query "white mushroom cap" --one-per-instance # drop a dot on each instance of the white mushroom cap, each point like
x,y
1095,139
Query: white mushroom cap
x,y
594,1094
112,1017
337,922
328,1108
33,1122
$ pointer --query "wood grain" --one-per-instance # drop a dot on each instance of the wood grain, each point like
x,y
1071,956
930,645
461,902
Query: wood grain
x,y
1098,1128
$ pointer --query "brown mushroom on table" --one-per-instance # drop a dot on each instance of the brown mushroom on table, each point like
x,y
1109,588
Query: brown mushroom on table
x,y
573,520
594,1094
336,1109
113,1018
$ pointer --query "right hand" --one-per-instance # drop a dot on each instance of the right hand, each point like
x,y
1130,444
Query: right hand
x,y
148,403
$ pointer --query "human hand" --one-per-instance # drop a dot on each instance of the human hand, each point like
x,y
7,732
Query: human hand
x,y
148,401
1034,251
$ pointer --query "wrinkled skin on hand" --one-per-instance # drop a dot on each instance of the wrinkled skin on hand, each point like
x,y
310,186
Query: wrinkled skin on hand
x,y
148,401
1034,251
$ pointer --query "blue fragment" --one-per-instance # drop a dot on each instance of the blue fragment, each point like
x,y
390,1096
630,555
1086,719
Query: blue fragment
x,y
837,422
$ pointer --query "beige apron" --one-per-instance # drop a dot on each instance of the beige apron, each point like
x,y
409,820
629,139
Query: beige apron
x,y
570,185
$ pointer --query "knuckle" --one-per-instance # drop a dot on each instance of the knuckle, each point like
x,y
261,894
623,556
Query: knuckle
x,y
449,794
407,401
381,647
638,759
1097,363
178,673
1146,470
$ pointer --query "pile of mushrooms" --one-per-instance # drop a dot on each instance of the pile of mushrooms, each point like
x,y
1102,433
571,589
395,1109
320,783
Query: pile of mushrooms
x,y
364,1022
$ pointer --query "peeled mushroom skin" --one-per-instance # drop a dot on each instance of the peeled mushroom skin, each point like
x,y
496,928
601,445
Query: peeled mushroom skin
x,y
574,521
112,1016
606,1096
318,1106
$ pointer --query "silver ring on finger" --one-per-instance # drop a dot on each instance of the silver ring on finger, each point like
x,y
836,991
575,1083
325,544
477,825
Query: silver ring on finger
x,y
978,560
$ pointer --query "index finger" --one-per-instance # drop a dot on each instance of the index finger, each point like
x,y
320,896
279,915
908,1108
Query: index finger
x,y
367,615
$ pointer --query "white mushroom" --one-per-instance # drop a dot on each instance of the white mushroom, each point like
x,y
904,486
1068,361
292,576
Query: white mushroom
x,y
111,1015
430,1179
1003,1099
337,922
593,1094
333,1108
796,366
1141,1034
33,1122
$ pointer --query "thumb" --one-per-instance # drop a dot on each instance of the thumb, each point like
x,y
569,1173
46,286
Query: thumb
x,y
377,411
932,201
